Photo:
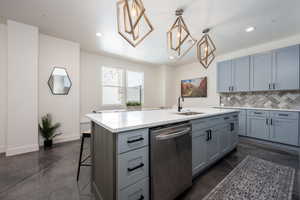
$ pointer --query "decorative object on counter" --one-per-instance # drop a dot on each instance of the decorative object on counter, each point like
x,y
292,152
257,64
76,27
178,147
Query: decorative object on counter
x,y
255,178
133,23
48,130
275,99
134,105
194,87
206,49
179,38
59,81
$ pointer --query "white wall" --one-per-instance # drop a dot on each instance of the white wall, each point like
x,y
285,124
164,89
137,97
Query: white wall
x,y
91,97
63,108
196,70
3,86
22,129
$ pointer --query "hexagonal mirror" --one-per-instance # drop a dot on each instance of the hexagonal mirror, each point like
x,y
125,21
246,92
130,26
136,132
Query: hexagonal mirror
x,y
59,81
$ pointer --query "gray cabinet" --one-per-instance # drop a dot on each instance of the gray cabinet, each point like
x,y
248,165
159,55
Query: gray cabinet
x,y
212,139
243,122
275,126
286,68
240,74
261,71
199,158
213,145
257,124
284,127
224,76
233,75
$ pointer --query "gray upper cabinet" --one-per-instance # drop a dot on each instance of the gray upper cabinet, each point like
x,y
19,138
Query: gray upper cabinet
x,y
224,76
240,74
268,71
261,72
286,68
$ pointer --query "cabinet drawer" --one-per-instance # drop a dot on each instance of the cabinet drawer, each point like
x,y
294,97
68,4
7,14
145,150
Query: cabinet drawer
x,y
205,123
132,140
284,115
258,113
137,191
132,167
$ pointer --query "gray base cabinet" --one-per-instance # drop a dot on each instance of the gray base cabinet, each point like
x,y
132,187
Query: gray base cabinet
x,y
212,138
275,126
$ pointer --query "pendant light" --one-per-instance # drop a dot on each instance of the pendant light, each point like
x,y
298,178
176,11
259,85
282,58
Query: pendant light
x,y
133,24
206,49
179,38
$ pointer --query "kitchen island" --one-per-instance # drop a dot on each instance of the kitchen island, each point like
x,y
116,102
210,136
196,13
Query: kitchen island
x,y
128,163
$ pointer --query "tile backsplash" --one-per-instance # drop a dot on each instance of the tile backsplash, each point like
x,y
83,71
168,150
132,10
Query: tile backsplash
x,y
275,99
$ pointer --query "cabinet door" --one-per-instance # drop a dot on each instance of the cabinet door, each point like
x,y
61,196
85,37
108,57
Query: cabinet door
x,y
242,124
261,71
257,127
199,157
224,76
213,146
286,68
233,130
284,131
224,138
241,74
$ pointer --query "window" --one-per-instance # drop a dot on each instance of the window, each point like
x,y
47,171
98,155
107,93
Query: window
x,y
135,86
112,86
113,83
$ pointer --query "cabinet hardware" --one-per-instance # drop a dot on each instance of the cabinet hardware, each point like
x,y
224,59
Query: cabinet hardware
x,y
229,88
267,121
271,121
226,118
142,197
269,86
231,126
232,88
274,86
258,113
283,115
210,135
135,140
136,167
207,135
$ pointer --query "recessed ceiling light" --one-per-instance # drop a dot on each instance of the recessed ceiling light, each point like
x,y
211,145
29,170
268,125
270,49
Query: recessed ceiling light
x,y
250,29
171,57
98,34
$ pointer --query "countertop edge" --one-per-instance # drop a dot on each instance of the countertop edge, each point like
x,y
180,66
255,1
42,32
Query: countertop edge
x,y
150,125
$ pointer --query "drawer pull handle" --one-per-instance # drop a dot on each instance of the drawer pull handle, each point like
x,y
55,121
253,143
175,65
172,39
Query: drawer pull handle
x,y
259,113
136,167
207,135
142,197
284,115
231,127
226,118
135,140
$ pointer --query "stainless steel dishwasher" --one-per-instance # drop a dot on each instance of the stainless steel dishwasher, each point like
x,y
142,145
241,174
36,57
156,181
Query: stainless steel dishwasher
x,y
171,160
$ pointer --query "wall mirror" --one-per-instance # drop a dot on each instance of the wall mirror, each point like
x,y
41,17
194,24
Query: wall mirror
x,y
59,81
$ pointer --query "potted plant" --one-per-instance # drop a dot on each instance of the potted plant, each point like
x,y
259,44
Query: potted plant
x,y
48,130
133,105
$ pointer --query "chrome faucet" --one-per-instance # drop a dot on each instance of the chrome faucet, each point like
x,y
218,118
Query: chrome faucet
x,y
178,104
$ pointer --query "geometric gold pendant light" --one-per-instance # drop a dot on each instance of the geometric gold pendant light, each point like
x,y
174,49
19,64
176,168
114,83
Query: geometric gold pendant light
x,y
179,38
206,50
133,24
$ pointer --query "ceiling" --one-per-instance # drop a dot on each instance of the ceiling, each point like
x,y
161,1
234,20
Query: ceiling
x,y
79,21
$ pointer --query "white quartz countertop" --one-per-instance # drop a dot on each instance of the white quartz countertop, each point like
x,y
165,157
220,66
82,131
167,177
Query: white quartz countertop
x,y
124,121
254,108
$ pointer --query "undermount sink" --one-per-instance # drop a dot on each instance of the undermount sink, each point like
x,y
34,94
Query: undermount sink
x,y
190,113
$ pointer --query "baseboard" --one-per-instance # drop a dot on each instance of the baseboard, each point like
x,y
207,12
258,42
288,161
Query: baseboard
x,y
66,139
2,149
21,150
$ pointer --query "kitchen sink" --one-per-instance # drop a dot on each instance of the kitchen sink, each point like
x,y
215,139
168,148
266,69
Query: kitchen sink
x,y
190,113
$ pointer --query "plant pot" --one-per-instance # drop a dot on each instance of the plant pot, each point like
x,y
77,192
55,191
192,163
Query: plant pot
x,y
48,144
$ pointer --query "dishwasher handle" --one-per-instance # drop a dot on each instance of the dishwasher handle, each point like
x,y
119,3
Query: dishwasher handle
x,y
173,135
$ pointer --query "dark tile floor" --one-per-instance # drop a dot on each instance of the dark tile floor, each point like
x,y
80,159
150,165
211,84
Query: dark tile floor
x,y
51,175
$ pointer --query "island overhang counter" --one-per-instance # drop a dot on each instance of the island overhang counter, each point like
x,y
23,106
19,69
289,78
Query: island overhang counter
x,y
121,147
